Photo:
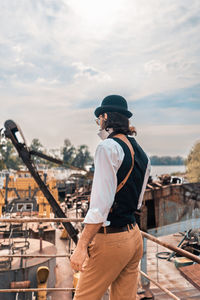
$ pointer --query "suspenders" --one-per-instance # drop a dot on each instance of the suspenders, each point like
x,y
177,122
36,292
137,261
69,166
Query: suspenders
x,y
123,138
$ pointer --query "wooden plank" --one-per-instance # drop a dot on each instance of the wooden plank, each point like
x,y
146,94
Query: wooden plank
x,y
192,274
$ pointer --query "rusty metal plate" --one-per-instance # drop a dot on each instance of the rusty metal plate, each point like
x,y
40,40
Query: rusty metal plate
x,y
192,274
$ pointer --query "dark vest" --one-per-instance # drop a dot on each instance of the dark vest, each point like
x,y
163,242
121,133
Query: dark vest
x,y
126,200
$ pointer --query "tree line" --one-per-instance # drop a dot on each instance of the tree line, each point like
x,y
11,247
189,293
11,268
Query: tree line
x,y
76,157
167,160
80,157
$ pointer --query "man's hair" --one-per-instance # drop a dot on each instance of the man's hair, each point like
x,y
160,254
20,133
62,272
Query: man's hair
x,y
119,123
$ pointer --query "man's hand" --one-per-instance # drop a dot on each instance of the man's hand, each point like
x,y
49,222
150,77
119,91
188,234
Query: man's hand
x,y
78,257
81,252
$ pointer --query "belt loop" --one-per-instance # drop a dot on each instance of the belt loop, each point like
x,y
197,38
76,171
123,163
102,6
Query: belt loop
x,y
128,227
104,230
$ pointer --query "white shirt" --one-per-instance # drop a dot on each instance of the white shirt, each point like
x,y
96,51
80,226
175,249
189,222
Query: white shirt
x,y
108,159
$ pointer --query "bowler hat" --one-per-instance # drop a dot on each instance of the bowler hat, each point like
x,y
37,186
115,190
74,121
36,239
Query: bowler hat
x,y
113,103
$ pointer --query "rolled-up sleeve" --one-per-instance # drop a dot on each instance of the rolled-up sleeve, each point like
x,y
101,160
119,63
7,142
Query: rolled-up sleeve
x,y
107,162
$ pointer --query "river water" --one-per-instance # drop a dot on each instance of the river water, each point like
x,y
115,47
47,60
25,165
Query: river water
x,y
159,170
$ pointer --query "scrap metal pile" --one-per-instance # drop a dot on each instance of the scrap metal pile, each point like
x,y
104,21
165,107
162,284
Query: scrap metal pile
x,y
166,201
14,133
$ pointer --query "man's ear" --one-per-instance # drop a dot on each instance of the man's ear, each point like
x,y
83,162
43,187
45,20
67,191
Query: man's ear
x,y
105,116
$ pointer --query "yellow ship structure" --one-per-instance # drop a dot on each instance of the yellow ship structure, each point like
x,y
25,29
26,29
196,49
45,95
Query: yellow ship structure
x,y
21,189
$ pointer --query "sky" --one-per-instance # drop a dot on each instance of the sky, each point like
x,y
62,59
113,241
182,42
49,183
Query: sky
x,y
60,58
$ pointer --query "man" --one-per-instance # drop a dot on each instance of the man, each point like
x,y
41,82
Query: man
x,y
111,236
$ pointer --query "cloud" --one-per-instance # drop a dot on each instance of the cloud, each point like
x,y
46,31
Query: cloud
x,y
168,139
179,100
154,66
89,72
59,59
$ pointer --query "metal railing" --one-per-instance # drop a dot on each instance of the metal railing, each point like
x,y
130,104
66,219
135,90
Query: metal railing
x,y
75,220
171,247
160,286
36,290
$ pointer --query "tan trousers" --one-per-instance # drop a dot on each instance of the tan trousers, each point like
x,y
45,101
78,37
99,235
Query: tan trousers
x,y
113,262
